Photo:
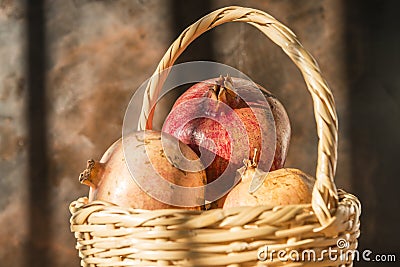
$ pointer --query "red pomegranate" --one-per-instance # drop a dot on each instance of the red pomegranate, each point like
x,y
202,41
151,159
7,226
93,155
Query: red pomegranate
x,y
224,120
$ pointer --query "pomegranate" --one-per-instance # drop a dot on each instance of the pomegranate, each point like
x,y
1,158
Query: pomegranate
x,y
280,187
222,120
110,179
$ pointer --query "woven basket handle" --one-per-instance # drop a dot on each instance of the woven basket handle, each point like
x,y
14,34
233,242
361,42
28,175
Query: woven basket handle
x,y
325,197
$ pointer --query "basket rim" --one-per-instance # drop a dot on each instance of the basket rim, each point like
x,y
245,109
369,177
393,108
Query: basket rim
x,y
81,208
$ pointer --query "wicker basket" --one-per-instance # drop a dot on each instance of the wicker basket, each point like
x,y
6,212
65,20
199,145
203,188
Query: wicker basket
x,y
109,235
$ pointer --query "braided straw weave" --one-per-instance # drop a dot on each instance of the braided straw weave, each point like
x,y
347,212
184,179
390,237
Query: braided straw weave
x,y
109,235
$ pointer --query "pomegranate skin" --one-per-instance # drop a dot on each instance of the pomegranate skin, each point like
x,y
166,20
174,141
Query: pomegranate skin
x,y
226,126
281,187
110,179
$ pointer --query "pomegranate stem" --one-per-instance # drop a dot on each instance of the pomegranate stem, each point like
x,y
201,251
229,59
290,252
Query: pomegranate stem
x,y
91,175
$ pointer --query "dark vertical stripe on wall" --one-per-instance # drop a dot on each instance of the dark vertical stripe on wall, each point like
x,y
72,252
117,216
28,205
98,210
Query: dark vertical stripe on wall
x,y
39,214
184,13
373,66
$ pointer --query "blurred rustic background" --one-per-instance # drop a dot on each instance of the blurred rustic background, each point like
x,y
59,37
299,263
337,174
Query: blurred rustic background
x,y
68,69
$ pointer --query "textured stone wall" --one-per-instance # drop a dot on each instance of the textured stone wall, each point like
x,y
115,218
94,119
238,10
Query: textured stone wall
x,y
98,52
13,134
